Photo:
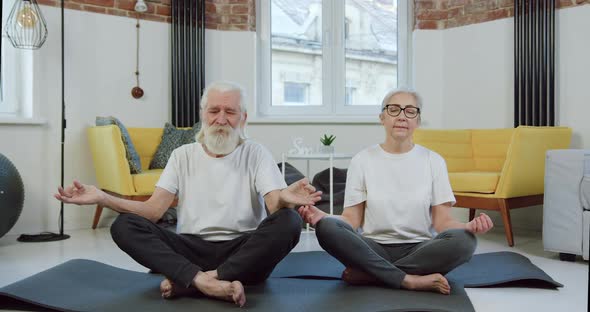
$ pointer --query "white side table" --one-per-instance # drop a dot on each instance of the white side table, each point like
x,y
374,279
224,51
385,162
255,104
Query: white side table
x,y
317,156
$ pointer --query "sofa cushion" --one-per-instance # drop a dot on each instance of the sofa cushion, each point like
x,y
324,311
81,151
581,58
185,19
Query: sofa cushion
x,y
453,145
474,181
172,138
145,182
490,147
130,152
146,141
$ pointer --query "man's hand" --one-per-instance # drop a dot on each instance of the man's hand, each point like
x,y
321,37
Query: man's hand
x,y
311,214
79,194
480,224
300,193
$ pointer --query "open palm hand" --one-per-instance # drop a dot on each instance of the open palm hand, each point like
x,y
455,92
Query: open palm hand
x,y
300,193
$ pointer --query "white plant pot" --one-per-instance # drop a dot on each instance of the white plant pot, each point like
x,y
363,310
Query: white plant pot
x,y
326,149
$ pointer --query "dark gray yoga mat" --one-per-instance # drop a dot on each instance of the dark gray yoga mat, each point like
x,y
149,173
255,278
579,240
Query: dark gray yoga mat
x,y
487,269
499,268
85,285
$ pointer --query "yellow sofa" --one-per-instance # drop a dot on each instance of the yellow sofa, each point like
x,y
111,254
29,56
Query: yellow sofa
x,y
112,169
496,169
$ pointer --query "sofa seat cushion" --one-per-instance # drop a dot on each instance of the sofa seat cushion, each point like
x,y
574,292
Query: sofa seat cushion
x,y
145,182
474,181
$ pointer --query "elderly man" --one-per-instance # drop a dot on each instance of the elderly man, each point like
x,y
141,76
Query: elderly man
x,y
222,181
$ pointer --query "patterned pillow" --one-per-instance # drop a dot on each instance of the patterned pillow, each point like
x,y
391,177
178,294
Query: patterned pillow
x,y
130,152
172,138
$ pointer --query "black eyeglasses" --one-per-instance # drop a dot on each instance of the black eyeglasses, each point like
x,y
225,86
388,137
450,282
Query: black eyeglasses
x,y
394,110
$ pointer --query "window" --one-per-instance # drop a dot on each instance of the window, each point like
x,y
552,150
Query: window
x,y
295,93
15,79
349,96
327,58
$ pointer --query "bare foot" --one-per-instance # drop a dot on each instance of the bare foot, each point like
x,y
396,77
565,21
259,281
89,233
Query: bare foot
x,y
224,290
170,290
357,277
432,282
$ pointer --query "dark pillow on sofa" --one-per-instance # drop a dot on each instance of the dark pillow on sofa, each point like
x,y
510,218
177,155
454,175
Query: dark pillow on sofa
x,y
291,173
321,181
130,152
172,138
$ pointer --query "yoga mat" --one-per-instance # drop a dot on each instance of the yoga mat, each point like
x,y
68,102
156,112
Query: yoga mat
x,y
487,269
85,285
499,268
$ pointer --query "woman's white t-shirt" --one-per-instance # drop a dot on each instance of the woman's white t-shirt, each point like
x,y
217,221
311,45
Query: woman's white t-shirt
x,y
399,191
220,198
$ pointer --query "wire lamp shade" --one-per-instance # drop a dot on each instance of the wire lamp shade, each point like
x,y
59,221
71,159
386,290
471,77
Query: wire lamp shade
x,y
26,27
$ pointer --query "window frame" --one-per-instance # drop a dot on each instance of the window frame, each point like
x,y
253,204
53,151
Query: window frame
x,y
334,107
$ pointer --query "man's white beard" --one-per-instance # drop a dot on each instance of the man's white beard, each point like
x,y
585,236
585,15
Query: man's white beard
x,y
221,140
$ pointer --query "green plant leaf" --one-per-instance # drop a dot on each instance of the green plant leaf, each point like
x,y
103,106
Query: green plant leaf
x,y
327,140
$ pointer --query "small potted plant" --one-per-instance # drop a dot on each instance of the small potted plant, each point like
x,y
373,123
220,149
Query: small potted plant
x,y
326,141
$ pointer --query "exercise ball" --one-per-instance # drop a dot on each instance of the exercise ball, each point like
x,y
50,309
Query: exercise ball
x,y
12,195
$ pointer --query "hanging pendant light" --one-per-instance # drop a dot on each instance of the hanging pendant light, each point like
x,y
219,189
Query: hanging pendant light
x,y
26,27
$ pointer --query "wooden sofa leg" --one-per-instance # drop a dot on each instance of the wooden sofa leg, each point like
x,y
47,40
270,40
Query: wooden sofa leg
x,y
505,212
471,214
97,214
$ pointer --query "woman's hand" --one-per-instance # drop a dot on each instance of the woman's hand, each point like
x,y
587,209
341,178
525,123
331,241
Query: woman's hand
x,y
479,225
311,214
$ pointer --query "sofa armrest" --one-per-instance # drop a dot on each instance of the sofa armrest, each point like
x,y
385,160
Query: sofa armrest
x,y
524,168
110,163
562,206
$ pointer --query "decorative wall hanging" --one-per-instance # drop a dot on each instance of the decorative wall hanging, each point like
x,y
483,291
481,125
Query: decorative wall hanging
x,y
137,91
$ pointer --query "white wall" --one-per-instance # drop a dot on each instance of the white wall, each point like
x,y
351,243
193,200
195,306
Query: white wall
x,y
466,69
100,66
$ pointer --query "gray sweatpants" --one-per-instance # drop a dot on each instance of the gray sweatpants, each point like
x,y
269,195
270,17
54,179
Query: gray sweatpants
x,y
389,263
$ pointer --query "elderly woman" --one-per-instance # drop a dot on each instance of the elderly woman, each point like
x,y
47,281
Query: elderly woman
x,y
399,193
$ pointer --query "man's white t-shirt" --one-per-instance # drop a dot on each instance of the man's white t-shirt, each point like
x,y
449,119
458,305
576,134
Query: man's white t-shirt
x,y
399,191
220,198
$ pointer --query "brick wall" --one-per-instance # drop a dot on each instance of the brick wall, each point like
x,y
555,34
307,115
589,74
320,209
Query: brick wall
x,y
231,14
241,14
442,14
219,14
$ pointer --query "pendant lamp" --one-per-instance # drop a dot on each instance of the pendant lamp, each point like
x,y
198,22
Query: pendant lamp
x,y
26,27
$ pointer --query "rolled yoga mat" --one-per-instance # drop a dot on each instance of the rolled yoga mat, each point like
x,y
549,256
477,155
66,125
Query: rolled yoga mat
x,y
85,285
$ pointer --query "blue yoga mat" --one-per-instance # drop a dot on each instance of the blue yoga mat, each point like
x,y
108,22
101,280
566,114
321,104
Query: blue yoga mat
x,y
486,269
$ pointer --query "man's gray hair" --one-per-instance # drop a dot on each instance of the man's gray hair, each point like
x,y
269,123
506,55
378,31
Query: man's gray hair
x,y
401,90
224,86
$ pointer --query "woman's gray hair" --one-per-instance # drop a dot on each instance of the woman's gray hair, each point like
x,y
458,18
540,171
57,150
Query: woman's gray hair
x,y
400,90
224,86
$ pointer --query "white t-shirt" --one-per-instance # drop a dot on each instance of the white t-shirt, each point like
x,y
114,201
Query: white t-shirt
x,y
220,198
399,191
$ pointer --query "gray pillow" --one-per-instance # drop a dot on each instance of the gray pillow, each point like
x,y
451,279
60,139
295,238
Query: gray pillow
x,y
292,175
172,138
130,152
